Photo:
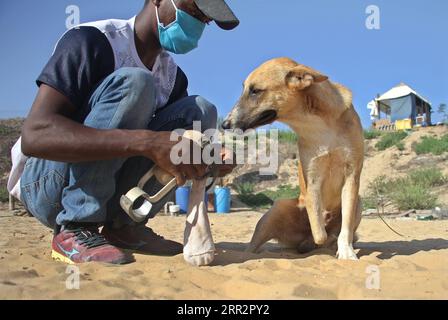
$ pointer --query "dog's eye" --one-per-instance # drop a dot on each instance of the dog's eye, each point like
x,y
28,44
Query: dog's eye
x,y
255,92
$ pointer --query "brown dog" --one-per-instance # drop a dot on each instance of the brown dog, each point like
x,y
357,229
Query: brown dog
x,y
331,154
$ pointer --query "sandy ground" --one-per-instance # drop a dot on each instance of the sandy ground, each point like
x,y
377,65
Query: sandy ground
x,y
414,267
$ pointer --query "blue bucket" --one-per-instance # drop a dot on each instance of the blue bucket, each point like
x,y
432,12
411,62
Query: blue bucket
x,y
182,198
222,199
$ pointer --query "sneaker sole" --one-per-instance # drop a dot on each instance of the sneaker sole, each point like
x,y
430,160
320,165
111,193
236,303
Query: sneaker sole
x,y
59,257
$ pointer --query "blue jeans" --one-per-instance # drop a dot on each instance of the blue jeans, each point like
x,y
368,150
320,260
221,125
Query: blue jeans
x,y
58,193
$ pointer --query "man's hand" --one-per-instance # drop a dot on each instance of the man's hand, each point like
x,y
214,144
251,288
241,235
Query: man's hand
x,y
159,148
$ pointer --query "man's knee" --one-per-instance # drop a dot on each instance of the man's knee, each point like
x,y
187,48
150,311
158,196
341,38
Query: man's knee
x,y
129,100
206,113
137,79
138,89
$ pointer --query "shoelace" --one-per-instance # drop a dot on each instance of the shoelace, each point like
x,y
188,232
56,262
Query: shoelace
x,y
88,238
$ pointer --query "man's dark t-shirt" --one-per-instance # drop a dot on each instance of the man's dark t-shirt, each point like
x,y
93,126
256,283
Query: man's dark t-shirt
x,y
87,54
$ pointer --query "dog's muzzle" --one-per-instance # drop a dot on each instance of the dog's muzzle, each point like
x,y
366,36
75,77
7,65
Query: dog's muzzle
x,y
266,117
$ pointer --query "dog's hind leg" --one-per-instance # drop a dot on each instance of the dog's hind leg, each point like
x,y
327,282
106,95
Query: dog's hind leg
x,y
357,219
285,221
261,235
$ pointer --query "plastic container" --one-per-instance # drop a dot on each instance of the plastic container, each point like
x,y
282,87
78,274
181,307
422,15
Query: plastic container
x,y
174,210
222,200
182,198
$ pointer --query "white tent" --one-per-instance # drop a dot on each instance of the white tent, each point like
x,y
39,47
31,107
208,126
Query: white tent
x,y
401,102
399,91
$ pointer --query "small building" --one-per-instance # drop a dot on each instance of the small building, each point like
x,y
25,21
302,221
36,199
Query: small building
x,y
400,108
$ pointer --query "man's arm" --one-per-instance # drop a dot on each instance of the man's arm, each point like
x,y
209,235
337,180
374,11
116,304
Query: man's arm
x,y
49,133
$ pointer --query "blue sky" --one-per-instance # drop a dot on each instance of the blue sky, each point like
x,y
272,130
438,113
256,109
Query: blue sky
x,y
329,35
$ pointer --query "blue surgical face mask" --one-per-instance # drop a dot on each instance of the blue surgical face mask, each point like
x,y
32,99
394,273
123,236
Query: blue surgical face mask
x,y
182,35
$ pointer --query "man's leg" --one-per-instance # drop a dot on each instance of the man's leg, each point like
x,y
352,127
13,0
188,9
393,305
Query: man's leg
x,y
179,115
42,183
125,100
80,191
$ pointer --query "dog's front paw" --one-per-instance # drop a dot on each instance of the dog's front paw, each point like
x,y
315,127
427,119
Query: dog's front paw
x,y
346,252
202,259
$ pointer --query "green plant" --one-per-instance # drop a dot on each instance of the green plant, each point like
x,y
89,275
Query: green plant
x,y
287,136
443,113
413,196
390,139
400,146
4,194
410,192
380,186
259,200
266,198
371,134
432,145
5,130
369,202
244,188
283,192
427,177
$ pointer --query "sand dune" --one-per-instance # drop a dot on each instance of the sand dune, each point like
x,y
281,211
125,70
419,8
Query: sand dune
x,y
414,267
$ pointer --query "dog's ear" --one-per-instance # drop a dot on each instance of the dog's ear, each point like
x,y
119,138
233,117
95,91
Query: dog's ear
x,y
346,95
301,77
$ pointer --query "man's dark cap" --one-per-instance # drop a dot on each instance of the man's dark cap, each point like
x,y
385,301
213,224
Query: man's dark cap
x,y
220,12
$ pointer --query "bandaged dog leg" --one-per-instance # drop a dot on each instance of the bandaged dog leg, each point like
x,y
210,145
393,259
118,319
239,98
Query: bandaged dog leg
x,y
199,249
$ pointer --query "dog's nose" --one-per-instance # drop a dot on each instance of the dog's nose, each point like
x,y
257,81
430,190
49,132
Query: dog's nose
x,y
226,124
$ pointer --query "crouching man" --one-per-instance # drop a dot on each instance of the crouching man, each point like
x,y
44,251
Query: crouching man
x,y
107,101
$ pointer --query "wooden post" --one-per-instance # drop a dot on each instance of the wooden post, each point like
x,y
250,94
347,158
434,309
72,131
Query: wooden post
x,y
12,203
